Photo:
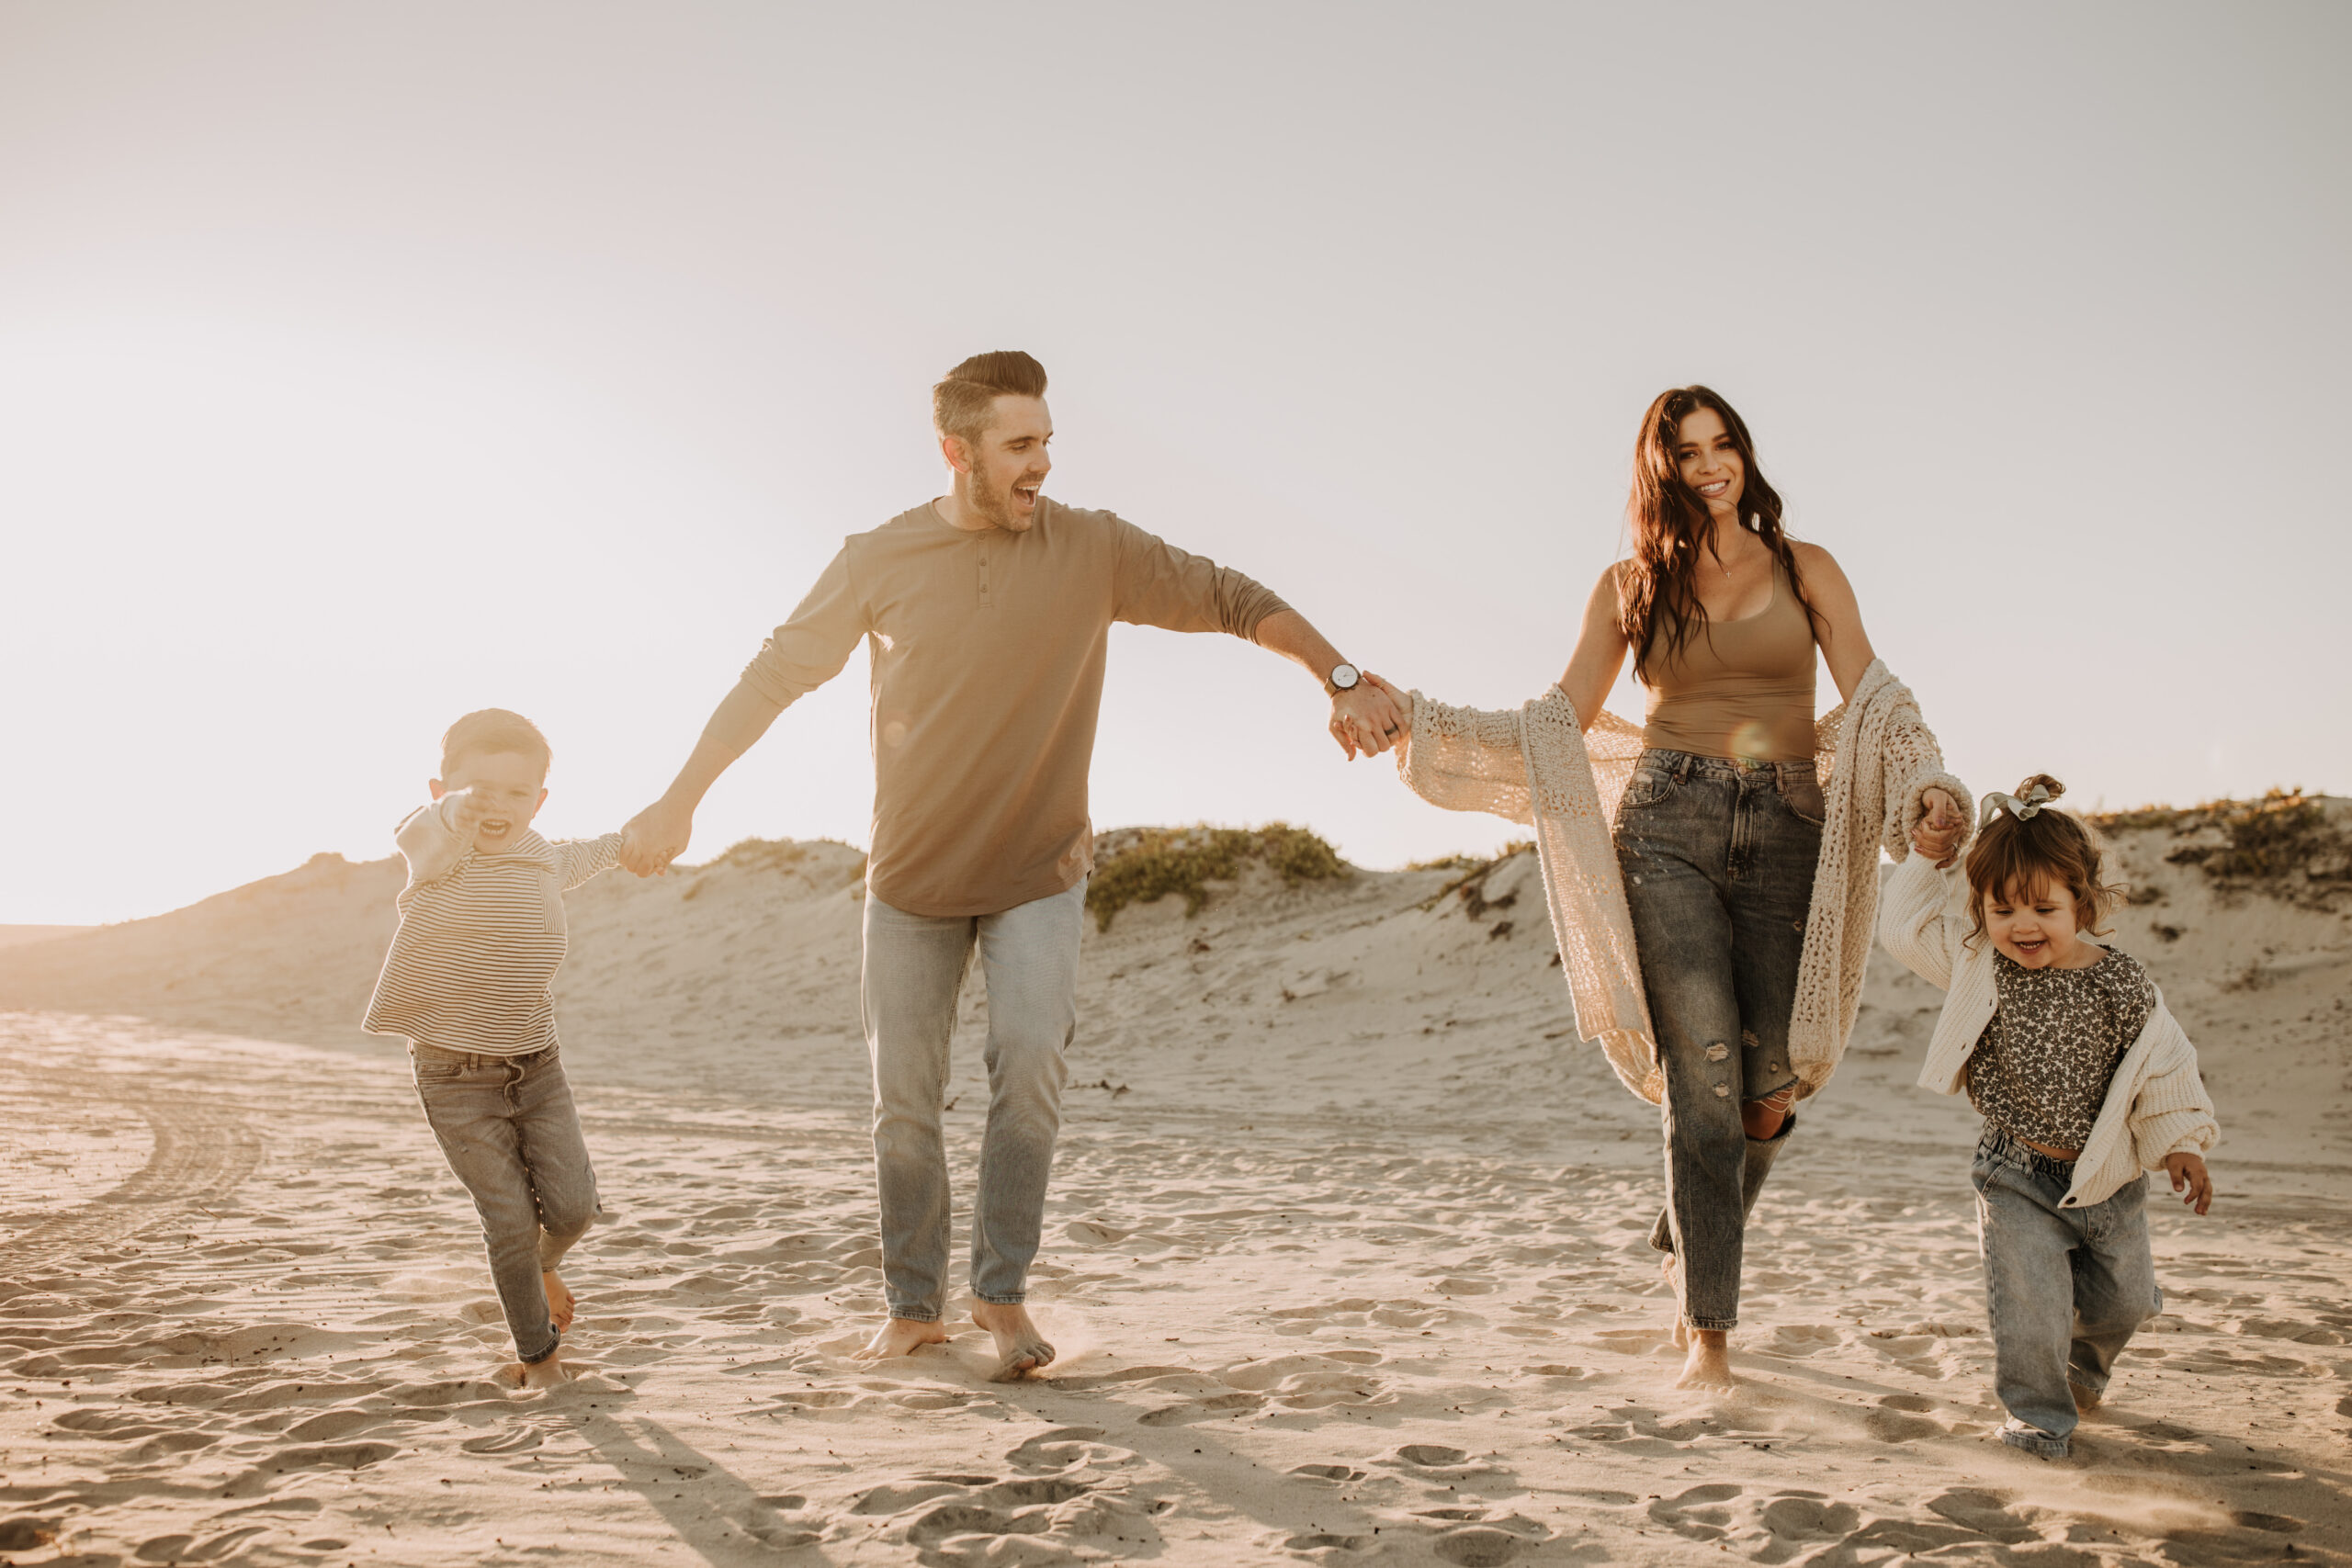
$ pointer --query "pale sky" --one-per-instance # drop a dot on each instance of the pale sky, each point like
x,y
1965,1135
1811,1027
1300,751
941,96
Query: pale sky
x,y
362,366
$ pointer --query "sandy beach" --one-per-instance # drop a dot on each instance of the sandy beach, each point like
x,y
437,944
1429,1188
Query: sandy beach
x,y
1346,1257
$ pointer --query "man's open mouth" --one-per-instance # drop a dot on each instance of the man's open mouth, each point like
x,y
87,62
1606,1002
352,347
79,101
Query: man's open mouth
x,y
1027,493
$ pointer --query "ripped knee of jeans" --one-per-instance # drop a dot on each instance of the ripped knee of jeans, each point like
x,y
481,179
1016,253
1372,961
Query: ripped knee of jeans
x,y
1779,1098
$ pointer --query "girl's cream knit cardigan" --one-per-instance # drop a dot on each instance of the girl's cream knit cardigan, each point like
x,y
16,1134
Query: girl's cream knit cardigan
x,y
2155,1103
1537,764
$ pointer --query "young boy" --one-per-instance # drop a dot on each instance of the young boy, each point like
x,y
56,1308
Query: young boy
x,y
467,980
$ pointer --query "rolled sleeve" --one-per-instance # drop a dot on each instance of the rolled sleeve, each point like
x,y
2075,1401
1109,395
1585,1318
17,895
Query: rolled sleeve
x,y
1156,584
810,649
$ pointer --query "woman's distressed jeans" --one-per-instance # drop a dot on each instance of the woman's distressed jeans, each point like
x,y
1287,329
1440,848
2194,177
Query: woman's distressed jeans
x,y
1718,857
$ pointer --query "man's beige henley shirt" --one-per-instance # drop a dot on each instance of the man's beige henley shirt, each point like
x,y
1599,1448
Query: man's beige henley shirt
x,y
987,652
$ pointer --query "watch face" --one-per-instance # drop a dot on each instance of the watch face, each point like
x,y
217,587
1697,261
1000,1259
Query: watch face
x,y
1344,677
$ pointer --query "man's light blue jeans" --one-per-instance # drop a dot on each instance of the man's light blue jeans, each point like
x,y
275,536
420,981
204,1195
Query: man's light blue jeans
x,y
914,968
2065,1288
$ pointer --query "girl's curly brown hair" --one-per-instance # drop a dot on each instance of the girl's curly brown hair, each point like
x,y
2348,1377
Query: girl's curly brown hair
x,y
2011,858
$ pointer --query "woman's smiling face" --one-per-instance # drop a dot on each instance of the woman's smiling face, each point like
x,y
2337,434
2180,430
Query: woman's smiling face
x,y
1708,459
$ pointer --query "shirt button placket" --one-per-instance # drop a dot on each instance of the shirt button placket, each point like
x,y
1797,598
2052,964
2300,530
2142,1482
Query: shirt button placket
x,y
984,579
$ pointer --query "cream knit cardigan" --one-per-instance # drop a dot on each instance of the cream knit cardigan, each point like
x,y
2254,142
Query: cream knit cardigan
x,y
2155,1103
1537,764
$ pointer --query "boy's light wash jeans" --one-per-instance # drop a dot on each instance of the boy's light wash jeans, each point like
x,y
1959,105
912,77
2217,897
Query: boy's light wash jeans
x,y
914,968
2065,1288
1718,858
512,1135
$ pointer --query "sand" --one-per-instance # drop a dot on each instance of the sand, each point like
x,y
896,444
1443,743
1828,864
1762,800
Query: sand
x,y
1345,1257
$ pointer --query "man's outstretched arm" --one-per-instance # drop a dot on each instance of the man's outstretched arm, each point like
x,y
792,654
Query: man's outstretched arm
x,y
659,834
1364,720
805,652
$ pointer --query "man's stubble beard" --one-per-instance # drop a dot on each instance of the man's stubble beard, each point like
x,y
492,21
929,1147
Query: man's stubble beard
x,y
996,508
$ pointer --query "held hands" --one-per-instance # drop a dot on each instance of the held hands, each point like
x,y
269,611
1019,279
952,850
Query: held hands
x,y
655,837
1939,834
1369,717
2189,1179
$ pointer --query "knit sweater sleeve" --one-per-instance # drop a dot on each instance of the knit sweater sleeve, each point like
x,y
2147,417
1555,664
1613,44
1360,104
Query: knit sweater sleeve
x,y
2172,1114
1918,920
1915,764
1466,759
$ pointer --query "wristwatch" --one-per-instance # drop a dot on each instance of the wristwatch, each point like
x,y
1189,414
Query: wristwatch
x,y
1342,678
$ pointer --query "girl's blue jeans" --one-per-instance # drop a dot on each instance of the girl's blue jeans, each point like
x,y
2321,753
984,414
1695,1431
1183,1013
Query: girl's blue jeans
x,y
2065,1288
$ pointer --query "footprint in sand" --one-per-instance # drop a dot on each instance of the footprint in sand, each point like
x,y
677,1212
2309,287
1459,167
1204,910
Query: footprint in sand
x,y
976,1520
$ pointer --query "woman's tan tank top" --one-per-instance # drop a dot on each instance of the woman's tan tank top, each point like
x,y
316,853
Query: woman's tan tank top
x,y
1740,688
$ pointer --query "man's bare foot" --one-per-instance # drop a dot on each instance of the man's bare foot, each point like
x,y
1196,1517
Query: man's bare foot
x,y
1709,1365
549,1373
900,1336
561,1307
1020,1348
2085,1399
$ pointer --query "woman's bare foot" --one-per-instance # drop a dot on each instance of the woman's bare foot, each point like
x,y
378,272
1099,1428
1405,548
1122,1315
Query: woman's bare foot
x,y
900,1336
1020,1348
1709,1365
2085,1399
1681,1329
549,1373
561,1307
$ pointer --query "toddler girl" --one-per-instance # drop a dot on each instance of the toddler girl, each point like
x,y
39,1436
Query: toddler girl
x,y
2084,1078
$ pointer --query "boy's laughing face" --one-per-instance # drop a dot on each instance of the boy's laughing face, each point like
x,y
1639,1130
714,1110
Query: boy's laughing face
x,y
501,791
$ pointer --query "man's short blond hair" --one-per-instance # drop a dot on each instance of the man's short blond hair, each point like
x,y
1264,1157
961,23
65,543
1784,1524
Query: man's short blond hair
x,y
961,402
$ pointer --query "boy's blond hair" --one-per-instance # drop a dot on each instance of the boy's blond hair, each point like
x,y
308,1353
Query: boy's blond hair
x,y
491,730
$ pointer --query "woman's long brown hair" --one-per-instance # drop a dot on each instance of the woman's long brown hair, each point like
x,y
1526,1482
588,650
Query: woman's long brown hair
x,y
1657,593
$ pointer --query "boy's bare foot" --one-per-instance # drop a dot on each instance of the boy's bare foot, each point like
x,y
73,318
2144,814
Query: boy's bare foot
x,y
900,1336
2085,1399
1709,1365
561,1307
1020,1348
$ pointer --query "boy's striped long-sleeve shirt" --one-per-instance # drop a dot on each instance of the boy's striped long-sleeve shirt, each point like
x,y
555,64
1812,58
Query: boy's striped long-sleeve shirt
x,y
480,937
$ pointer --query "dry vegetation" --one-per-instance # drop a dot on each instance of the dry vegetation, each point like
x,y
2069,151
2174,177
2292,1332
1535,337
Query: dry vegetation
x,y
2286,843
1143,863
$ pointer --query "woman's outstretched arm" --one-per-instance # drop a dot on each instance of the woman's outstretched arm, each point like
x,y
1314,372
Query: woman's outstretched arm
x,y
1600,652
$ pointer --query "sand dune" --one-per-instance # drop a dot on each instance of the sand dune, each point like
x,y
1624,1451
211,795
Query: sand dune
x,y
1345,1256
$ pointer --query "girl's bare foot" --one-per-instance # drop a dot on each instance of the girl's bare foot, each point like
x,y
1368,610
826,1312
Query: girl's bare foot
x,y
900,1336
561,1307
2085,1399
1020,1348
1709,1365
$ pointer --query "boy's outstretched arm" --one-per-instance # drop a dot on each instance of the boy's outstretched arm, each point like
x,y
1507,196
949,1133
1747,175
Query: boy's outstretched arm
x,y
659,834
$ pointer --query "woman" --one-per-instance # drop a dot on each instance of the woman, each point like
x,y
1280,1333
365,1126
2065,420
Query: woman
x,y
1719,831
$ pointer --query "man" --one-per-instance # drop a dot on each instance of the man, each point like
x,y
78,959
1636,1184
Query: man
x,y
987,612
